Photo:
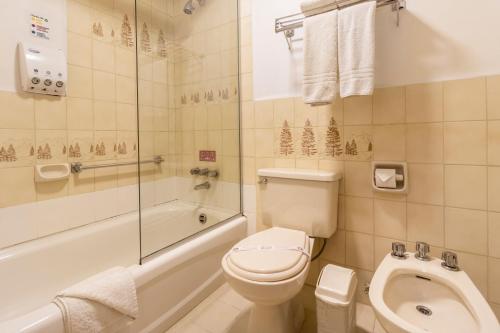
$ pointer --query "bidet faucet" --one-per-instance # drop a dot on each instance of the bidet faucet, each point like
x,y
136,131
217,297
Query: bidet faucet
x,y
422,249
398,250
450,261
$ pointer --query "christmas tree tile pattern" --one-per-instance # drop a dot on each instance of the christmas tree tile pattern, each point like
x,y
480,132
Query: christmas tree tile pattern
x,y
127,37
333,142
286,140
145,39
358,143
162,45
308,140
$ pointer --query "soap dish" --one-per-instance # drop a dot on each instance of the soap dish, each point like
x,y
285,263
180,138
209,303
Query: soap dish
x,y
51,172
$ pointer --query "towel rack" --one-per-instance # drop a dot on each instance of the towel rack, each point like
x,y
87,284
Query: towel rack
x,y
288,24
79,167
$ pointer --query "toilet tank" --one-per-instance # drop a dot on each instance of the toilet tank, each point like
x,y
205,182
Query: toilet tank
x,y
305,200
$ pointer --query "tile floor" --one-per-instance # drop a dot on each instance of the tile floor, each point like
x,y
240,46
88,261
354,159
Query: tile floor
x,y
224,311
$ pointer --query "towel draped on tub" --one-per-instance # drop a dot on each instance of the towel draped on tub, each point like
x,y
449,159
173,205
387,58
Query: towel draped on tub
x,y
106,302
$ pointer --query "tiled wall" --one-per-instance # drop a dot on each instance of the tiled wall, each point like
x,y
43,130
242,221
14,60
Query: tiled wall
x,y
448,132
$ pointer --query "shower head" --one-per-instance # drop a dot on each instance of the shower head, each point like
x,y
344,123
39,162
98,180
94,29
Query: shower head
x,y
190,6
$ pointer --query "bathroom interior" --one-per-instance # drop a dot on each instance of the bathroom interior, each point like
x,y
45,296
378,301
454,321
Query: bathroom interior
x,y
250,166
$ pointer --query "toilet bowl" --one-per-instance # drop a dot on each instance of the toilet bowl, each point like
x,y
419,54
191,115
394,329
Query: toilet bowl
x,y
270,267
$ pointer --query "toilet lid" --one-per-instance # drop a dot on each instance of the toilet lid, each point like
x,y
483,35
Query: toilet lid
x,y
272,255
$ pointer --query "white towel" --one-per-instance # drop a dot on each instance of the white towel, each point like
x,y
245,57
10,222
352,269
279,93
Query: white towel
x,y
320,58
314,7
357,49
106,302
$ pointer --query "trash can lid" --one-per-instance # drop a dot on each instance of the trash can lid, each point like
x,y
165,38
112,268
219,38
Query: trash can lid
x,y
337,284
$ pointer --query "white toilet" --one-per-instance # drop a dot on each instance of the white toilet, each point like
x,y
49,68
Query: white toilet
x,y
270,267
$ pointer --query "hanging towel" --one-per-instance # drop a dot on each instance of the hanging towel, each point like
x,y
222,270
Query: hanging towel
x,y
106,302
320,58
357,49
314,7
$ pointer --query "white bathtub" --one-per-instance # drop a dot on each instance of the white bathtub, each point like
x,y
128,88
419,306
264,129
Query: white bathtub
x,y
170,282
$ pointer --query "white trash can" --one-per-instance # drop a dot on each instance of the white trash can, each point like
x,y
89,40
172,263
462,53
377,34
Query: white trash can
x,y
335,300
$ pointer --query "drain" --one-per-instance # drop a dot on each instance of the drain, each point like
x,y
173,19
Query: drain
x,y
424,310
202,218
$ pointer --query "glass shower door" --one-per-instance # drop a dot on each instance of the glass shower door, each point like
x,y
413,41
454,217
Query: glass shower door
x,y
188,97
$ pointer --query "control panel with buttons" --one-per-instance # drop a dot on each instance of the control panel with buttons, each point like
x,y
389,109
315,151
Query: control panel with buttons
x,y
43,70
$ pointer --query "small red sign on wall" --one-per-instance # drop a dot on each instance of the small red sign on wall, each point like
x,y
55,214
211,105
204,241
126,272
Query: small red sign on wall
x,y
208,156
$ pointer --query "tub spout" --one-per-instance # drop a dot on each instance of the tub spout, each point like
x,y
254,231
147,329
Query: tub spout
x,y
202,186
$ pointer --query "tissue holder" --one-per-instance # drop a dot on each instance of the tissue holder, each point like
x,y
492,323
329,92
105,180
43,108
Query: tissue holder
x,y
391,177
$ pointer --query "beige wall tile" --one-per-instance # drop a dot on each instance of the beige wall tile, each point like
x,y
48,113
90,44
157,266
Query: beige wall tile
x,y
264,139
465,99
104,115
126,90
248,142
104,86
493,278
306,164
103,56
465,142
359,214
79,82
50,112
424,103
466,186
425,223
390,219
389,143
494,189
79,18
358,179
284,110
494,142
358,110
477,268
126,117
494,234
249,170
18,147
493,96
79,50
473,223
16,111
335,249
51,146
125,62
424,143
426,183
264,114
329,111
359,250
17,186
388,106
80,114
51,190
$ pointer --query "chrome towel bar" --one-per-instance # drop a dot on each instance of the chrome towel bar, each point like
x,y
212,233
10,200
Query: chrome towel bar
x,y
79,167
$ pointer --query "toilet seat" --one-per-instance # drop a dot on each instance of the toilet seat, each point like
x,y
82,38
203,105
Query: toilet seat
x,y
272,255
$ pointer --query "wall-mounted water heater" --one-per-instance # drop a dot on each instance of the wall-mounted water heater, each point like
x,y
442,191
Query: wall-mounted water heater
x,y
42,70
34,46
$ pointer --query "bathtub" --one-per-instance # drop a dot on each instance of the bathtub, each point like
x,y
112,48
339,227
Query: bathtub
x,y
169,283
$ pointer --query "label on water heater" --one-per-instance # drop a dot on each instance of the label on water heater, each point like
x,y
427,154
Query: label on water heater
x,y
40,27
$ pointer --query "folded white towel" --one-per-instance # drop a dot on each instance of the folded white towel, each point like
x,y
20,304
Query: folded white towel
x,y
106,302
314,7
357,49
320,58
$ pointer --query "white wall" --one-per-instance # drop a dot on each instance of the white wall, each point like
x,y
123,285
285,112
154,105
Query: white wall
x,y
437,40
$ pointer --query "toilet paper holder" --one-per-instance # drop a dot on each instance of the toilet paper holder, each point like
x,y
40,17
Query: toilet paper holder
x,y
391,177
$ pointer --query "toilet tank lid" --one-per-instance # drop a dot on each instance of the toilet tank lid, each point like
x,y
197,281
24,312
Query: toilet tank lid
x,y
302,174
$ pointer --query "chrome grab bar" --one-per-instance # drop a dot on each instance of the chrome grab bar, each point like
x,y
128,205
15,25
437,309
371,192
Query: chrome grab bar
x,y
78,167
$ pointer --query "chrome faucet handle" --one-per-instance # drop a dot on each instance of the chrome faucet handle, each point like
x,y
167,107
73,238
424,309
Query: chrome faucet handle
x,y
204,172
398,250
213,173
450,261
195,171
422,249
